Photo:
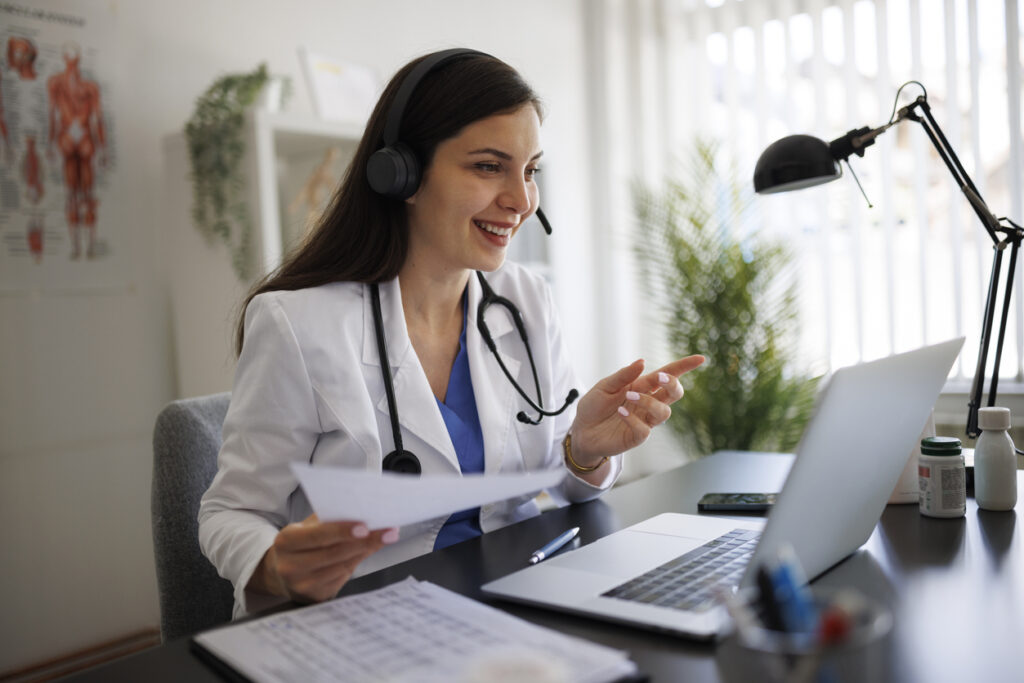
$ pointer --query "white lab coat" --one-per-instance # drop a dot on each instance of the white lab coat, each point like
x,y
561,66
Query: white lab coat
x,y
308,388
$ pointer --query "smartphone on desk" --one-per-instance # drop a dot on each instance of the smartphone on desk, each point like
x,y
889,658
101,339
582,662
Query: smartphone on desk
x,y
736,502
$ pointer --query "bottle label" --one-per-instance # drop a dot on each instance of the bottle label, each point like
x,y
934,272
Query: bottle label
x,y
943,489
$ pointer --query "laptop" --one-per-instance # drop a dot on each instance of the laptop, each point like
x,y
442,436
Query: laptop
x,y
655,574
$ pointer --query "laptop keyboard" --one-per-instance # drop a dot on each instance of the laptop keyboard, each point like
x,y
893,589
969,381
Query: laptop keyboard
x,y
690,581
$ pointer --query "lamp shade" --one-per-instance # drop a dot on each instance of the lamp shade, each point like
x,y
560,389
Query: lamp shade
x,y
793,163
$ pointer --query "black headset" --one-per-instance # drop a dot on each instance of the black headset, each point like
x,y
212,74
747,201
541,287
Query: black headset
x,y
393,171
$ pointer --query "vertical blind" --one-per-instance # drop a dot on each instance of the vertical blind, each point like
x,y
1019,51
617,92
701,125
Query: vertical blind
x,y
911,268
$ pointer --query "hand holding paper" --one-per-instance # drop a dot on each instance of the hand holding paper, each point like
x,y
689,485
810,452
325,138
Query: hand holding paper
x,y
392,500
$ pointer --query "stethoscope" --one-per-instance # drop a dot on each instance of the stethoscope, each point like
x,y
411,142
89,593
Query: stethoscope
x,y
401,460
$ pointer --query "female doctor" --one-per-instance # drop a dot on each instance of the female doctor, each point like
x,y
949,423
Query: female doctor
x,y
387,291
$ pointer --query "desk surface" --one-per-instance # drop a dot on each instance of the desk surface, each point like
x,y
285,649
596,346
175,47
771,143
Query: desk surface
x,y
956,586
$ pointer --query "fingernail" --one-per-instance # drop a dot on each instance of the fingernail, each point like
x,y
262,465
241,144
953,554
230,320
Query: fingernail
x,y
663,377
390,536
360,531
623,412
632,396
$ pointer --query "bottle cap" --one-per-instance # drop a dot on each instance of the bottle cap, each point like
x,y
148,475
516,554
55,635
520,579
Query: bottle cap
x,y
994,418
940,445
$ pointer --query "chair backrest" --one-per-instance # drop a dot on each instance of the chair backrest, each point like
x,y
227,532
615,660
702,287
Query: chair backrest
x,y
186,440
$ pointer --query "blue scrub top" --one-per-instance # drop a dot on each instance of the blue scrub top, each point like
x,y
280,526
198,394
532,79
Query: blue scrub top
x,y
460,417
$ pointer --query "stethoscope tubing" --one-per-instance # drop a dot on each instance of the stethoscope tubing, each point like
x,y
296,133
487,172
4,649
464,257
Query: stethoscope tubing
x,y
385,364
404,461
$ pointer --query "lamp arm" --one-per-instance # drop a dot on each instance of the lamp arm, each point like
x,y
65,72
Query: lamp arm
x,y
974,401
1002,237
1014,248
956,169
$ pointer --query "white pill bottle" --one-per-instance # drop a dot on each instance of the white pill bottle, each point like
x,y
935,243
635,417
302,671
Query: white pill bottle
x,y
995,461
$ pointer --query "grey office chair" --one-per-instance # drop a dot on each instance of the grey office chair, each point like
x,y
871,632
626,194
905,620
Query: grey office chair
x,y
186,439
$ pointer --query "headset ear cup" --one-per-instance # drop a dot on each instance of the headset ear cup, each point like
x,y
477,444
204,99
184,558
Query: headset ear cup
x,y
394,171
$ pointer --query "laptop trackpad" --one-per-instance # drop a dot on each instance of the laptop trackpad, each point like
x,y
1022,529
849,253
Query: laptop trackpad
x,y
625,554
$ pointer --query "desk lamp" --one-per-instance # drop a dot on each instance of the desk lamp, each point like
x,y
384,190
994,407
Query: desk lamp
x,y
800,161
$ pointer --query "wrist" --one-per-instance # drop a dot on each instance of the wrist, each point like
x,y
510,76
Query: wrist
x,y
265,578
577,462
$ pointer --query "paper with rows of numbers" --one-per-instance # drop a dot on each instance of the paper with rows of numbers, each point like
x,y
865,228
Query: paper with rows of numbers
x,y
408,631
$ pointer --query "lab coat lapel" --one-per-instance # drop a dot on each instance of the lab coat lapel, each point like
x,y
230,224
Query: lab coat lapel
x,y
417,408
495,397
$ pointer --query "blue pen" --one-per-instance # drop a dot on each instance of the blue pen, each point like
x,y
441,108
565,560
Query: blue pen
x,y
554,545
792,594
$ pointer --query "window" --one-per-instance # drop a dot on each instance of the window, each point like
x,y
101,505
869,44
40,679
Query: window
x,y
913,268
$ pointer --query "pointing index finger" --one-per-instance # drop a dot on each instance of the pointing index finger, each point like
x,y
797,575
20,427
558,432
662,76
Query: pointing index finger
x,y
650,383
683,365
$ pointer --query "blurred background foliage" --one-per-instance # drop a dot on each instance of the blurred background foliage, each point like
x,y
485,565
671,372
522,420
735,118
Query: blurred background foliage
x,y
727,293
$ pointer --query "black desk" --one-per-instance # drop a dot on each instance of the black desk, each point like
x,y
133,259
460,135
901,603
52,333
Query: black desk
x,y
956,586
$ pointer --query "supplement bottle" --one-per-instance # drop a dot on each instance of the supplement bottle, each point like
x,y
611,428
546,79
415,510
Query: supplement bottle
x,y
941,476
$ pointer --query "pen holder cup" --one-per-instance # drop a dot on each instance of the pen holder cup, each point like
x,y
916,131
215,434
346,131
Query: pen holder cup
x,y
756,653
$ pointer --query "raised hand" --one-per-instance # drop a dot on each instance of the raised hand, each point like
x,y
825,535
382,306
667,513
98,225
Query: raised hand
x,y
620,411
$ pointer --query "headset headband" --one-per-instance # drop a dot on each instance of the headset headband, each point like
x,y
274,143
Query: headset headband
x,y
394,120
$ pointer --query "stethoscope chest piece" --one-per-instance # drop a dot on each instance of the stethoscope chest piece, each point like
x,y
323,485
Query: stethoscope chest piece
x,y
402,462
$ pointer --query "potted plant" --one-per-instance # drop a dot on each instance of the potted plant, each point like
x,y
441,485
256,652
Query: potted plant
x,y
730,298
216,147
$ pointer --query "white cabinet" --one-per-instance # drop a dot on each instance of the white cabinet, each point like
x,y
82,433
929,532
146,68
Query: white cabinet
x,y
285,150
205,294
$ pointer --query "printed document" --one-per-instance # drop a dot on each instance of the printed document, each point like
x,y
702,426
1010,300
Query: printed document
x,y
408,631
389,500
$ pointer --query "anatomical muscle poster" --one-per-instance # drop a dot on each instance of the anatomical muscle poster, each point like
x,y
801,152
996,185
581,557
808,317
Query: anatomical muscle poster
x,y
57,145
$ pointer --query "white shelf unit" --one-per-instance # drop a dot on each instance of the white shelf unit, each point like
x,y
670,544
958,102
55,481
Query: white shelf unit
x,y
285,150
282,150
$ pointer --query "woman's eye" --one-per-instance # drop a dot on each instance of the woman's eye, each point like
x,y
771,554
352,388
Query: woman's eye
x,y
531,172
488,167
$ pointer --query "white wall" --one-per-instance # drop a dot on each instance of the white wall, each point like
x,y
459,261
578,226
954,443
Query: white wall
x,y
83,376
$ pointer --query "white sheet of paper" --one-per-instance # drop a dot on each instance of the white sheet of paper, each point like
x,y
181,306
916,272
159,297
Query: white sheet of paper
x,y
389,500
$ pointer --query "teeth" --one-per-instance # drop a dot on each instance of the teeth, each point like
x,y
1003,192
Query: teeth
x,y
493,229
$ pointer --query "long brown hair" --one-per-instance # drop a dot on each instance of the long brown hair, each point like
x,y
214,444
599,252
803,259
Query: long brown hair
x,y
363,236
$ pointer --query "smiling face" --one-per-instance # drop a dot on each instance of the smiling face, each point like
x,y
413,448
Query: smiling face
x,y
475,194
